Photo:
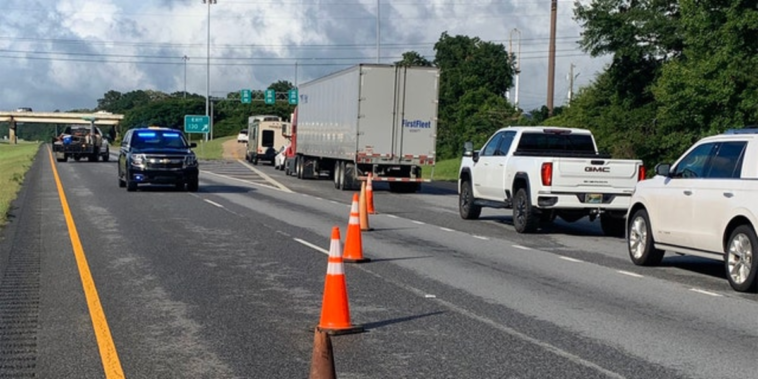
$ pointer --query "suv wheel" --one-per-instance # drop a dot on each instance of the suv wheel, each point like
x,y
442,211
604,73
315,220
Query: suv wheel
x,y
740,259
193,185
640,241
525,220
466,206
131,185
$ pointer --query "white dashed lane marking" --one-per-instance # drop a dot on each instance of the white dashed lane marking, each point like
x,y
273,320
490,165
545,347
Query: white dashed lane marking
x,y
215,204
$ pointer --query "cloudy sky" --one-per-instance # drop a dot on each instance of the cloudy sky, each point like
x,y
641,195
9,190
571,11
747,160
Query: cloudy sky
x,y
65,54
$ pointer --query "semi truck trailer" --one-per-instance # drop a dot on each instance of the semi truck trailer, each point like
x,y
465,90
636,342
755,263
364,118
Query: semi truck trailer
x,y
370,118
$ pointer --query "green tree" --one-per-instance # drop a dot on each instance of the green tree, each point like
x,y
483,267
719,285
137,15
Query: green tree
x,y
468,65
412,58
169,112
713,86
281,86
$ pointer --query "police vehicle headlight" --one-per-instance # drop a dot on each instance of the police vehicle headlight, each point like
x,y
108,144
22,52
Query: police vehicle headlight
x,y
138,160
190,160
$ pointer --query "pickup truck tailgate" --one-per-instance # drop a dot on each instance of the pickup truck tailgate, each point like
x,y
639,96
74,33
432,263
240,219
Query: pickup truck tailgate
x,y
575,173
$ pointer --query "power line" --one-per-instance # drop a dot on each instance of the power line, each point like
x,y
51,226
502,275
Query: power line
x,y
528,41
176,60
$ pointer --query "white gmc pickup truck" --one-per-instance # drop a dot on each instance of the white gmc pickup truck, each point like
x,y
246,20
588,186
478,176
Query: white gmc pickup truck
x,y
705,204
547,172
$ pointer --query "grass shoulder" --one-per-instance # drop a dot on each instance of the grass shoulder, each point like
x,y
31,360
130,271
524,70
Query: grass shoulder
x,y
446,170
211,150
15,161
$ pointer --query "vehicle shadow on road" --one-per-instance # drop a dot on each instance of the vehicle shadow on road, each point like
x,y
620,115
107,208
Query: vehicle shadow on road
x,y
399,259
379,324
206,189
695,264
225,189
580,228
432,188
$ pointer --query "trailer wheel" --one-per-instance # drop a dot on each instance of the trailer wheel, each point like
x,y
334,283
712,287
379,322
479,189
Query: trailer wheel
x,y
336,174
348,176
299,167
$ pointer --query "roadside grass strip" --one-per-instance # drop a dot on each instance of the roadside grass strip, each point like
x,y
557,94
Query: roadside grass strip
x,y
15,161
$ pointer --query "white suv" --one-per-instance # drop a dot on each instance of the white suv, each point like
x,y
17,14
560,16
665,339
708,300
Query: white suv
x,y
705,205
242,136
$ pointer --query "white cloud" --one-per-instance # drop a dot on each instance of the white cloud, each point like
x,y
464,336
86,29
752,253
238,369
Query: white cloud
x,y
68,54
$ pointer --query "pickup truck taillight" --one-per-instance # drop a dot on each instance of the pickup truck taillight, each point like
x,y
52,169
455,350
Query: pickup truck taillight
x,y
547,174
641,173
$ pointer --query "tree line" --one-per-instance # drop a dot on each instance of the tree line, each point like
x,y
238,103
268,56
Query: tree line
x,y
679,70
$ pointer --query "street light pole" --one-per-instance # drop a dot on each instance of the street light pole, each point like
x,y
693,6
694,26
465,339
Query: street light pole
x,y
378,31
208,64
185,59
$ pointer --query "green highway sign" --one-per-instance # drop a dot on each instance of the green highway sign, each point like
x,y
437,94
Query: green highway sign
x,y
292,96
246,96
269,96
196,124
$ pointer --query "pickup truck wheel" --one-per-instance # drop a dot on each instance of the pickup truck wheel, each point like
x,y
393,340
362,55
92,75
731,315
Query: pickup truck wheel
x,y
612,226
640,241
524,218
740,259
466,206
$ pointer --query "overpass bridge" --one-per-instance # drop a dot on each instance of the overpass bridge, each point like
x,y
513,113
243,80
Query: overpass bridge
x,y
92,119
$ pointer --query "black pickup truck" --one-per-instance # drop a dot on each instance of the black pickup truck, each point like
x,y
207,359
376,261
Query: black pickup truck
x,y
79,141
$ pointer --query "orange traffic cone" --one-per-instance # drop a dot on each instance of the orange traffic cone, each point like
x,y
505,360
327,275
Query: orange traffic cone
x,y
353,241
370,195
335,312
322,359
363,212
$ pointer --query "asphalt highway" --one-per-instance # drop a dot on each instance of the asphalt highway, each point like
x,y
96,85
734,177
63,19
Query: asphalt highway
x,y
228,283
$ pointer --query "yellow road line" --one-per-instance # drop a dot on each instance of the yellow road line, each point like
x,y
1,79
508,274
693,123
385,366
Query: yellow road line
x,y
108,354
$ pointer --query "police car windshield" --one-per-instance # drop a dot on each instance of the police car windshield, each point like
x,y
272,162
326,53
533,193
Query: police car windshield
x,y
158,139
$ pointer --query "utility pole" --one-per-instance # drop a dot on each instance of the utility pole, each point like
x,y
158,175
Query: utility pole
x,y
571,83
517,67
378,30
208,66
295,74
551,59
185,59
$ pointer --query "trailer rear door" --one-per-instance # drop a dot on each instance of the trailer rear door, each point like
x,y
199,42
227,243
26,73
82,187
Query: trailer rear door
x,y
416,120
376,109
